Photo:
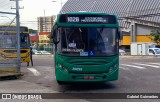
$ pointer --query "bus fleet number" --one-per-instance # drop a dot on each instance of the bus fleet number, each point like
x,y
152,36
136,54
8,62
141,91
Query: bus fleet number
x,y
73,19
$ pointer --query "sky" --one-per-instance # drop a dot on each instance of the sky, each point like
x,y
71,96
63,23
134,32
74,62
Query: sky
x,y
35,8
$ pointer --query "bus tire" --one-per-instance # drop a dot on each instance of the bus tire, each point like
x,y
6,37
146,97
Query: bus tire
x,y
60,82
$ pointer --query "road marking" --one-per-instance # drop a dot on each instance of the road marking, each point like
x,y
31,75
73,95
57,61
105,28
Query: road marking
x,y
133,66
155,63
34,71
124,68
147,65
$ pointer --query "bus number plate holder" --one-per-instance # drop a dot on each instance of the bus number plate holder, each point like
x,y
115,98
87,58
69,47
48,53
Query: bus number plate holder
x,y
88,77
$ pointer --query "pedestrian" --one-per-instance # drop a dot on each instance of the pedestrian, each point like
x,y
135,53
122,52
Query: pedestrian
x,y
31,52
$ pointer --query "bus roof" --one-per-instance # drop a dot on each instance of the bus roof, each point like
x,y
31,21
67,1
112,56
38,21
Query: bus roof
x,y
86,12
5,25
13,28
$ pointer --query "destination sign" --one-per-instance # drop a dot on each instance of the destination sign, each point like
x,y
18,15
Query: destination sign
x,y
88,19
108,19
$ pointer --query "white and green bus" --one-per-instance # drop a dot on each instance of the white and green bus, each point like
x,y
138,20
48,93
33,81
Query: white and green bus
x,y
86,47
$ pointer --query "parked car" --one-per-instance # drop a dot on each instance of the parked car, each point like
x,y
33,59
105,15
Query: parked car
x,y
154,51
34,50
37,52
122,52
45,52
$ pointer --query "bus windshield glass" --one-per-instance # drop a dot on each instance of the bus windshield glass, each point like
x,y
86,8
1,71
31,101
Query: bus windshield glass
x,y
82,41
24,40
7,40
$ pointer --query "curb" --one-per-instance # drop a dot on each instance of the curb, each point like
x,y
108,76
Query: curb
x,y
9,75
140,56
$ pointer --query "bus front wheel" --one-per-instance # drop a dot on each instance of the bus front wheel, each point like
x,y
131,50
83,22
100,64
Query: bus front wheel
x,y
60,82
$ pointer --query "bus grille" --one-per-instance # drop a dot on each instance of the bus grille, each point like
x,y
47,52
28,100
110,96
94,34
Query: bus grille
x,y
14,51
88,61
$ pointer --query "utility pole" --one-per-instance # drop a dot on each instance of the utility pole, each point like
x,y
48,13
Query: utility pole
x,y
18,35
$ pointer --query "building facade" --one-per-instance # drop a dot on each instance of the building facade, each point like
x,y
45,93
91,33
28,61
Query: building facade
x,y
44,38
45,23
34,40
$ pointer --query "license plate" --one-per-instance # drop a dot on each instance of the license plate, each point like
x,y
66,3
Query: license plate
x,y
88,77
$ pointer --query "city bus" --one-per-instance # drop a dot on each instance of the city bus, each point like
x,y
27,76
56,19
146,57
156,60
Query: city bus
x,y
8,42
86,47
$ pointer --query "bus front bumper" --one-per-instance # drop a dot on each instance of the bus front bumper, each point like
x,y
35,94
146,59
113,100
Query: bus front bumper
x,y
76,77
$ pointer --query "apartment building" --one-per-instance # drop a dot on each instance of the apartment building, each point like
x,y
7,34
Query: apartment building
x,y
45,23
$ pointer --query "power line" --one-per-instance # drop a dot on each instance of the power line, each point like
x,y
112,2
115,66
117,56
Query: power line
x,y
5,5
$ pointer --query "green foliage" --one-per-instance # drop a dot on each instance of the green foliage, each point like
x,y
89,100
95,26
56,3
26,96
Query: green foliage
x,y
155,36
50,38
41,47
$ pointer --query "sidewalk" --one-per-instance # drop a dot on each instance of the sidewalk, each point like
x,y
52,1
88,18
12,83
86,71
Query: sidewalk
x,y
140,56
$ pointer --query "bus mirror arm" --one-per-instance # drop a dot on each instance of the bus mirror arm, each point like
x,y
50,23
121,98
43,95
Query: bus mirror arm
x,y
120,35
55,42
55,39
54,35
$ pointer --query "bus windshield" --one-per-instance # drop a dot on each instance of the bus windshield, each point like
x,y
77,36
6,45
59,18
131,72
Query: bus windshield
x,y
24,40
82,41
7,40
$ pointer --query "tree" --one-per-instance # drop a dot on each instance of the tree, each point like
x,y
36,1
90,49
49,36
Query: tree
x,y
155,36
41,47
50,38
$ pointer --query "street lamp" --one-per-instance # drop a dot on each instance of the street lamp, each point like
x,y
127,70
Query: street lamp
x,y
60,3
54,1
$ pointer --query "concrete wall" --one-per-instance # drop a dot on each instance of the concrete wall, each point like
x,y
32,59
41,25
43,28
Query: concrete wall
x,y
138,33
144,30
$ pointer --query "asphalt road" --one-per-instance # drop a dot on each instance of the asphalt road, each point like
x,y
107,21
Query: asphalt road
x,y
137,75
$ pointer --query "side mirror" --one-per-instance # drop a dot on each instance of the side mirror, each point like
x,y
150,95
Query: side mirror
x,y
54,34
55,42
120,33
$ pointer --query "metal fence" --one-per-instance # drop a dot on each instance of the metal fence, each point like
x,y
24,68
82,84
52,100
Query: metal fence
x,y
9,52
50,48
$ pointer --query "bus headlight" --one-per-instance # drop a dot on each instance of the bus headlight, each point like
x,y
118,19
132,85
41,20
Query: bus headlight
x,y
62,68
113,67
2,55
28,55
59,65
65,69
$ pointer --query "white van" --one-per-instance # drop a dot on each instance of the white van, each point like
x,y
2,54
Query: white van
x,y
154,51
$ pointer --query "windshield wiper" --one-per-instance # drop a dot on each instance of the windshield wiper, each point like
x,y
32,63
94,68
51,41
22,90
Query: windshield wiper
x,y
101,30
